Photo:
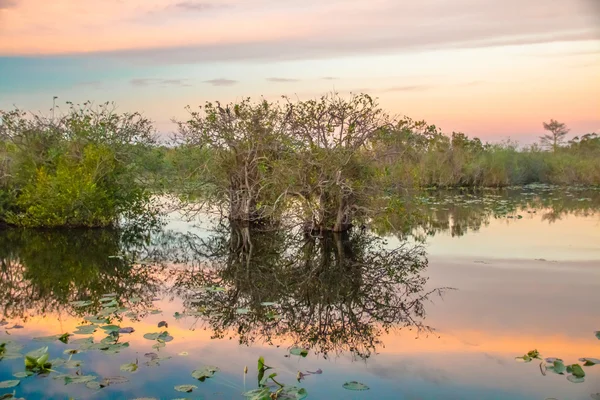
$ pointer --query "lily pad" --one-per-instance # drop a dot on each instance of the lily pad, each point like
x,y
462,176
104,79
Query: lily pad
x,y
9,384
588,362
186,388
61,337
575,379
94,385
78,379
86,329
110,328
298,351
242,311
126,330
597,333
22,375
577,371
114,380
96,320
258,394
353,385
205,372
268,303
184,354
152,336
292,393
163,324
130,367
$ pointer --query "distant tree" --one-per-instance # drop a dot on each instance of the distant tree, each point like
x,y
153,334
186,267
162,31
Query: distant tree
x,y
558,131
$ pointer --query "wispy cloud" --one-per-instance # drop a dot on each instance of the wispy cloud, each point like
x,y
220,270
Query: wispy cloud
x,y
221,82
283,79
160,82
407,88
7,4
194,6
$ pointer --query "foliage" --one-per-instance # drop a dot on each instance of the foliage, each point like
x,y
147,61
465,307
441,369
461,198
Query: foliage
x,y
76,170
558,131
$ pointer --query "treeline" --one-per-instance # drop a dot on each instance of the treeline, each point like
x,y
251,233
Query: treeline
x,y
326,162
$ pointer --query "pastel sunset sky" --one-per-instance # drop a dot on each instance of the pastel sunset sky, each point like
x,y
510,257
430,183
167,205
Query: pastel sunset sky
x,y
493,69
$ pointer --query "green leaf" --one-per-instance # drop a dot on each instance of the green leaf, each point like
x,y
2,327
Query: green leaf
x,y
205,372
130,367
22,374
533,354
51,338
298,351
9,384
242,311
597,333
575,379
258,394
86,329
152,336
353,385
186,388
292,393
96,320
94,385
110,328
588,362
577,371
559,367
77,379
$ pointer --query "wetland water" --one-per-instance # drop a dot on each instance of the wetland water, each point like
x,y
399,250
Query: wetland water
x,y
432,304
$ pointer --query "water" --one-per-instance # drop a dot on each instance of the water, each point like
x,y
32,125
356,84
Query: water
x,y
461,285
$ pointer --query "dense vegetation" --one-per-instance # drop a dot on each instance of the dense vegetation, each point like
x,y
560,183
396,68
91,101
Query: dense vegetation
x,y
328,163
75,170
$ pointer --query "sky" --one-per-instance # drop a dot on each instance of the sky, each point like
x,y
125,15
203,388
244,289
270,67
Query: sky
x,y
488,68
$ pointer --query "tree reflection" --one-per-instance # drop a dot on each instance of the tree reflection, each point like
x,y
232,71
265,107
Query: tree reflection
x,y
332,293
41,271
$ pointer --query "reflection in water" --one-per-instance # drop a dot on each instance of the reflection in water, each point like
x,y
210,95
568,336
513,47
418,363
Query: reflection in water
x,y
426,214
331,293
42,271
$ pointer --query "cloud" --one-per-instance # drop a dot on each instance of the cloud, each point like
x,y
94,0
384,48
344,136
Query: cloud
x,y
407,88
160,82
283,79
7,4
276,30
221,82
194,6
329,78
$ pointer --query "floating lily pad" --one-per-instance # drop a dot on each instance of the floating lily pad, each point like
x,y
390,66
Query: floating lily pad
x,y
61,337
24,374
205,372
86,329
268,303
96,320
298,351
184,353
126,330
9,384
110,328
130,367
114,380
595,396
163,324
588,362
597,333
292,392
186,388
107,312
152,336
258,394
94,385
154,312
353,385
78,379
158,345
576,370
82,340
575,379
242,311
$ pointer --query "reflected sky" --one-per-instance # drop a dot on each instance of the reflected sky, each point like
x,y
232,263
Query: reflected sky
x,y
502,301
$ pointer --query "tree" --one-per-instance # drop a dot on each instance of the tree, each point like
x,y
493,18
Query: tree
x,y
242,146
558,131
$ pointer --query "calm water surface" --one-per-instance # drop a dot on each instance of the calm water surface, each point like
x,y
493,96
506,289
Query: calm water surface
x,y
459,286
